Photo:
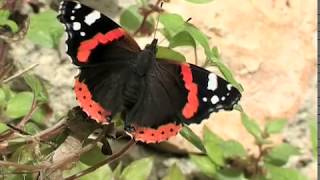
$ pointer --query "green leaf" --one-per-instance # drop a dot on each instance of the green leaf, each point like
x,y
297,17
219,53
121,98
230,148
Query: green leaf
x,y
278,173
215,152
252,127
233,148
102,173
31,128
209,136
19,105
280,154
199,1
204,164
3,127
92,157
227,74
275,126
5,21
45,30
213,146
173,23
183,38
117,171
167,53
2,97
198,36
37,87
39,115
138,170
230,174
174,173
314,136
189,135
131,19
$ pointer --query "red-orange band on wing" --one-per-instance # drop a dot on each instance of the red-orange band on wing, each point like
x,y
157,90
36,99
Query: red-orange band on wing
x,y
192,105
87,46
88,105
162,133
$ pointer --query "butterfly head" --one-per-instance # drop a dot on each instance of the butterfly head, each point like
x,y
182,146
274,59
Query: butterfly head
x,y
153,46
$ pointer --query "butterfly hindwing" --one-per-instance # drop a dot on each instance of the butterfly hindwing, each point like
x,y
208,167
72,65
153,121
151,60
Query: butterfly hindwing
x,y
176,94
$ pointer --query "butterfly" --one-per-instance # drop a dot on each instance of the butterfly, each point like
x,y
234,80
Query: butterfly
x,y
154,96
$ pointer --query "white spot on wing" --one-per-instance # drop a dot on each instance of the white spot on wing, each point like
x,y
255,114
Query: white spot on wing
x,y
76,26
223,98
72,18
78,6
229,86
204,99
73,11
212,82
214,99
82,33
92,17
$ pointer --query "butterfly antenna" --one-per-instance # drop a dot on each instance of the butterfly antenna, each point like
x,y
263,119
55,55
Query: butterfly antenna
x,y
157,23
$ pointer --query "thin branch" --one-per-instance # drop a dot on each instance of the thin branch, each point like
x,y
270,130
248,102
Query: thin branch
x,y
75,155
24,167
25,119
106,161
20,73
52,166
146,14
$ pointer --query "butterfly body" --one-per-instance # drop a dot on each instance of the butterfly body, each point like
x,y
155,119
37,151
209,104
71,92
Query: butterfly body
x,y
155,97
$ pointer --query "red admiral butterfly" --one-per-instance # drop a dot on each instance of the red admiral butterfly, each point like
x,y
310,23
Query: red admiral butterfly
x,y
155,97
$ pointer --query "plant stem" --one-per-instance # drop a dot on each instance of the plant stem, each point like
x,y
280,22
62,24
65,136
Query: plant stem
x,y
106,161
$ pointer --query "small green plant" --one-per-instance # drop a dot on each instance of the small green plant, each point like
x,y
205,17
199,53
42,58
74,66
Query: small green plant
x,y
6,22
45,30
228,159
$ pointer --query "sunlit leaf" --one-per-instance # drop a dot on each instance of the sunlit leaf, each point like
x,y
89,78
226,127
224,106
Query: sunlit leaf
x,y
233,149
183,38
275,126
169,54
252,127
314,137
45,29
209,136
37,87
102,173
280,154
173,23
5,21
174,173
189,135
204,164
230,174
215,152
3,127
19,105
279,173
2,97
117,171
138,170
